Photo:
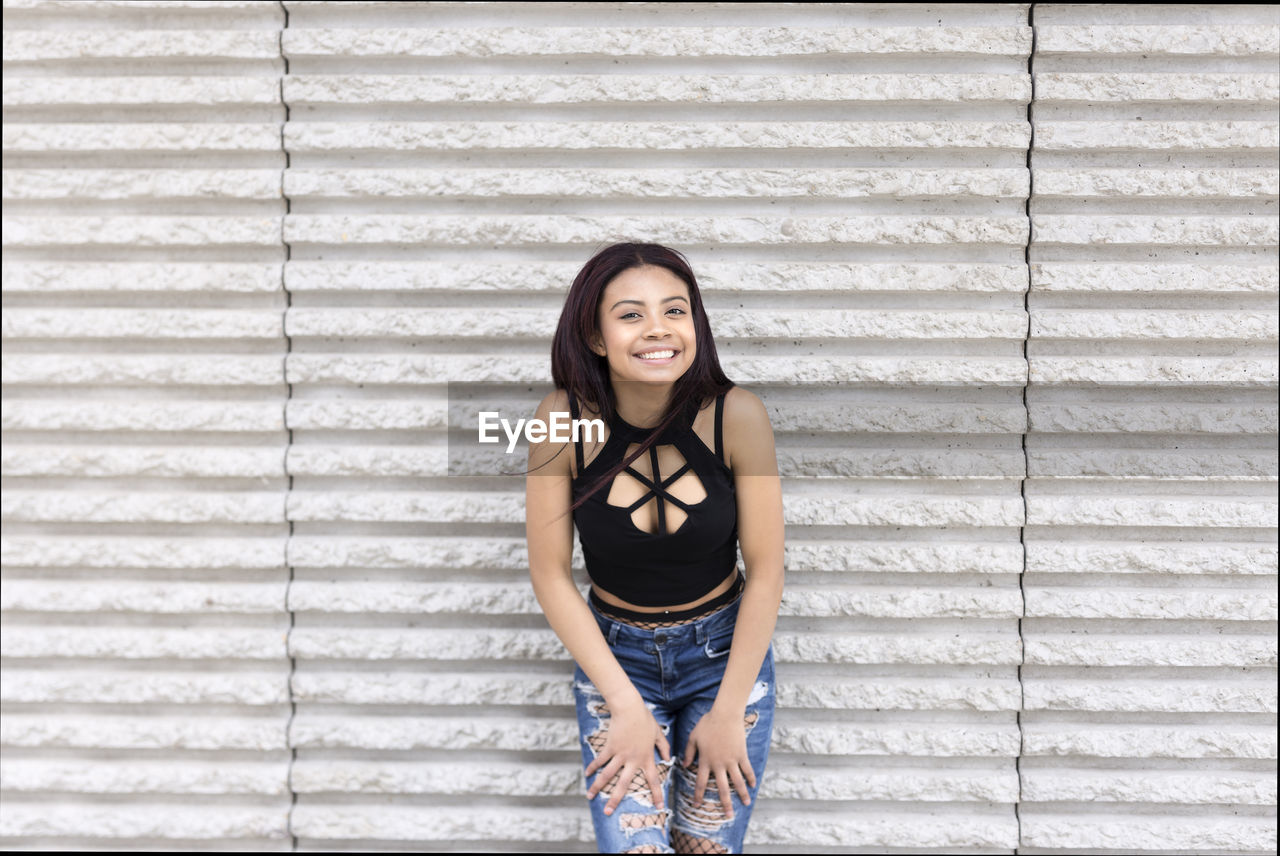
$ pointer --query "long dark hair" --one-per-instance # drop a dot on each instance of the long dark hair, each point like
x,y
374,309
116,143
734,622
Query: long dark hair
x,y
585,374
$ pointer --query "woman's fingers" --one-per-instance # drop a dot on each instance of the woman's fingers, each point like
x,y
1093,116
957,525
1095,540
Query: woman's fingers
x,y
655,784
700,786
606,775
740,784
722,785
595,764
623,781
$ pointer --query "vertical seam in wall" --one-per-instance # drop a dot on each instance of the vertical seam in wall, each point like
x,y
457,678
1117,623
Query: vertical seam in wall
x,y
288,349
1026,428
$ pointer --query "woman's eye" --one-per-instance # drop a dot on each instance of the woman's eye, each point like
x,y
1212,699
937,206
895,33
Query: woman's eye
x,y
669,311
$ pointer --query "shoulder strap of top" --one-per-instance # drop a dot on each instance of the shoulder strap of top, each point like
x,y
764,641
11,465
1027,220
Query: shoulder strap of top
x,y
720,425
577,449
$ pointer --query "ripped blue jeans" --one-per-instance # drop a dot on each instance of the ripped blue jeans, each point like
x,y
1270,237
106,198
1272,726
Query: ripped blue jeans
x,y
677,671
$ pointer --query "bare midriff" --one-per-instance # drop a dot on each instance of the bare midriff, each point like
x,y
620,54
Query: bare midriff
x,y
724,586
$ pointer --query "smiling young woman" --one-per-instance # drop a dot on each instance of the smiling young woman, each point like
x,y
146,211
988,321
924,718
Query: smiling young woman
x,y
673,647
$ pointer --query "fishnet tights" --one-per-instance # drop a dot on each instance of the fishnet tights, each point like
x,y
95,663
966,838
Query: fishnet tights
x,y
683,842
656,623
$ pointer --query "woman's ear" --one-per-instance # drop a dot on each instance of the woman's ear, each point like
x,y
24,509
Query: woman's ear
x,y
596,344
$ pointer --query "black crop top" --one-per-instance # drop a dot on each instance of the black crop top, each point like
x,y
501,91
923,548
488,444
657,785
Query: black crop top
x,y
658,568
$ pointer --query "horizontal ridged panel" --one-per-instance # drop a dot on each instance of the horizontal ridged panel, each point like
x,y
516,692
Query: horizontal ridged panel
x,y
146,665
426,251
1150,652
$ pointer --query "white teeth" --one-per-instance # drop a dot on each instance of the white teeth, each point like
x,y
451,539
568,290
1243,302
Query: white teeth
x,y
657,355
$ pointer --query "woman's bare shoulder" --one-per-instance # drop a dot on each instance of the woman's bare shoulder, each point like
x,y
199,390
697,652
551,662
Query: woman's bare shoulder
x,y
548,452
745,420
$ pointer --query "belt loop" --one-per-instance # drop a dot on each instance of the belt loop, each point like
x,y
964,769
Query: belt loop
x,y
700,632
613,632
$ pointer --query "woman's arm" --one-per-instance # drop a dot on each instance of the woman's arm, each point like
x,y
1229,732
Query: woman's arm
x,y
549,534
749,437
721,744
632,731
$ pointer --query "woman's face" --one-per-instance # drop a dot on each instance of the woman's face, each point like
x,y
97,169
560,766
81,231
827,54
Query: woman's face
x,y
646,309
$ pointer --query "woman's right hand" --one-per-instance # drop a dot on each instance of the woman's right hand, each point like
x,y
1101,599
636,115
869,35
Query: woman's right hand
x,y
628,747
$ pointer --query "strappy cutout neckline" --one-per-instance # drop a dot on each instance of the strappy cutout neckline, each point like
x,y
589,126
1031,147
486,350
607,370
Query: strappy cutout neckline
x,y
656,487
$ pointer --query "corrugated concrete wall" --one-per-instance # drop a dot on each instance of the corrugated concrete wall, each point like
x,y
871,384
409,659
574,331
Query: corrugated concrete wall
x,y
1004,276
1148,676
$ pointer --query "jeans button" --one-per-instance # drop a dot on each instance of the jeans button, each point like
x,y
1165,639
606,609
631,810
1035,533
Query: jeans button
x,y
660,639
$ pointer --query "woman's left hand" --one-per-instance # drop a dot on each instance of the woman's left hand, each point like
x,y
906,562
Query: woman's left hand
x,y
720,742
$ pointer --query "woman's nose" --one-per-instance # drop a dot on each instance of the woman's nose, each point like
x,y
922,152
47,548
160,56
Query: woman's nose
x,y
657,325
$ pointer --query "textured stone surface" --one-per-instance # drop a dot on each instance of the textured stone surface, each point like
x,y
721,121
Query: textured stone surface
x,y
1157,135
160,184
1168,417
146,731
1156,463
456,779
408,732
1161,278
1220,231
716,276
154,138
1192,833
175,370
926,740
177,462
84,506
1109,650
1182,603
1149,558
187,686
147,91
393,136
1094,87
884,829
1113,324
1183,184
231,277
1163,696
404,824
317,89
527,230
1201,787
142,232
159,821
656,41
629,182
905,784
1171,39
152,643
149,417
1149,741
36,46
141,552
1215,511
155,777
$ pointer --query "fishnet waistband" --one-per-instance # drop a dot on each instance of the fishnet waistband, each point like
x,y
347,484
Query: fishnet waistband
x,y
713,605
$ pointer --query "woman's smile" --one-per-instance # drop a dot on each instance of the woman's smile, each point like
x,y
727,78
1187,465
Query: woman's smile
x,y
658,356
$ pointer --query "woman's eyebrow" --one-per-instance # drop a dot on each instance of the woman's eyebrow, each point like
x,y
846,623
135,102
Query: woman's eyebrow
x,y
641,303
